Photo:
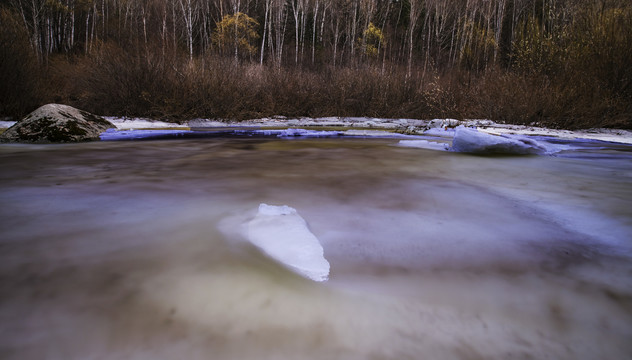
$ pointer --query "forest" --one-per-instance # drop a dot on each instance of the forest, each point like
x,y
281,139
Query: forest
x,y
555,63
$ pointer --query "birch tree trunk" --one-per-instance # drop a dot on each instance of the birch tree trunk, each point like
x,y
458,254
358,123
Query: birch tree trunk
x,y
415,9
265,30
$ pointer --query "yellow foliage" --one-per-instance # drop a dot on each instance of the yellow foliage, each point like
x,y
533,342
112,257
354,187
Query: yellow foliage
x,y
373,37
236,33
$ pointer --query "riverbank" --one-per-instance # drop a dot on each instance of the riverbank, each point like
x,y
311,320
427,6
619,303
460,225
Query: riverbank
x,y
406,126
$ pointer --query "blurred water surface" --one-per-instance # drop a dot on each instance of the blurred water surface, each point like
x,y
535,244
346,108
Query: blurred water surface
x,y
133,250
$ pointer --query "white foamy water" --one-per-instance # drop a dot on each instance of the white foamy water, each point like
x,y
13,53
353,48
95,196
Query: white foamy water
x,y
136,249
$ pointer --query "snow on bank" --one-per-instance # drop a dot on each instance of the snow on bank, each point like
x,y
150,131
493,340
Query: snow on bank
x,y
449,132
609,135
137,123
353,122
435,127
282,234
6,124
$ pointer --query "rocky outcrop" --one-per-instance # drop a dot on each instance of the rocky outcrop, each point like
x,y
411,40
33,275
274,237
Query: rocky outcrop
x,y
55,123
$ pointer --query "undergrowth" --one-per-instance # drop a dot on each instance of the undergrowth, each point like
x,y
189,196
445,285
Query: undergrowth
x,y
117,82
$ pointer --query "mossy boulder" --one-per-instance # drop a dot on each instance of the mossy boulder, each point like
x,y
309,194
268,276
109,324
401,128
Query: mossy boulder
x,y
55,123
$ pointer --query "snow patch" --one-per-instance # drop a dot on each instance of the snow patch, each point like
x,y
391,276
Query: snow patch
x,y
443,123
6,124
282,234
609,135
435,127
440,132
137,123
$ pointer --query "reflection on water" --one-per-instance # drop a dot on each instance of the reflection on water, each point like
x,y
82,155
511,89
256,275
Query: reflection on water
x,y
130,250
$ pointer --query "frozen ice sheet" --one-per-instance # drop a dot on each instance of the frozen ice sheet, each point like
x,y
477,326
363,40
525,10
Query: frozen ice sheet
x,y
281,233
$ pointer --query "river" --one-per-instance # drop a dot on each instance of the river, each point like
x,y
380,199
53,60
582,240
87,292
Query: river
x,y
132,250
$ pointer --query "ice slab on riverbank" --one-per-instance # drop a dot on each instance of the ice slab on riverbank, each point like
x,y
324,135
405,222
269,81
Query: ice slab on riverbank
x,y
282,234
472,141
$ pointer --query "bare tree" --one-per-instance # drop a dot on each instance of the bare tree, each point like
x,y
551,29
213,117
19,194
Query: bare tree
x,y
31,12
415,11
189,15
298,10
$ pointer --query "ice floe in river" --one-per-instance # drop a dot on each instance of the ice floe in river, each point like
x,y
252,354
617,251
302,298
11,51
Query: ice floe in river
x,y
472,141
282,234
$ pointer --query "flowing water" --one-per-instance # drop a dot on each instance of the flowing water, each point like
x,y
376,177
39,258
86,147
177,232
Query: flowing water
x,y
132,250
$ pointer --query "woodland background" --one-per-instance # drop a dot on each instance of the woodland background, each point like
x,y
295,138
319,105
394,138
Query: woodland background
x,y
557,63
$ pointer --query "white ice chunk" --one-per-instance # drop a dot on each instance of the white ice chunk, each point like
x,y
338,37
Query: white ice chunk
x,y
282,234
424,144
472,141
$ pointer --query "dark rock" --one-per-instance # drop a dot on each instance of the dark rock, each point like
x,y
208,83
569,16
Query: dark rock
x,y
57,123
